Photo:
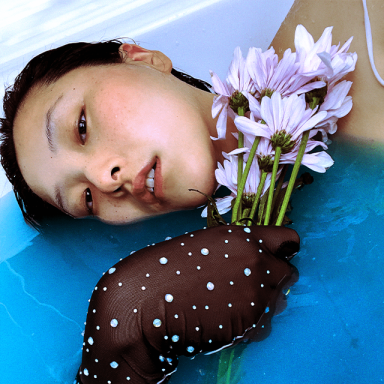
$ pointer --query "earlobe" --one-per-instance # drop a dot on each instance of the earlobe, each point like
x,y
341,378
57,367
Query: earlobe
x,y
156,59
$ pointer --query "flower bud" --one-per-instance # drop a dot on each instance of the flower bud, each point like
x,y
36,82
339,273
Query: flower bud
x,y
283,140
316,96
239,101
265,163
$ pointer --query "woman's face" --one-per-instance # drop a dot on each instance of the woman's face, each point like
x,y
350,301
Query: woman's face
x,y
120,142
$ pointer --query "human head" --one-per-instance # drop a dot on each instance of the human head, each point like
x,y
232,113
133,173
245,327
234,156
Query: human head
x,y
45,69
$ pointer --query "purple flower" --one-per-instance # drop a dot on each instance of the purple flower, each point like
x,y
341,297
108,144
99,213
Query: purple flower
x,y
271,75
323,59
287,116
237,80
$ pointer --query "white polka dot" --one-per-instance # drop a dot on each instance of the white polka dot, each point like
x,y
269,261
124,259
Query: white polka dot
x,y
220,326
260,250
206,307
86,372
231,282
94,311
114,365
147,275
135,310
97,327
247,230
229,305
189,253
168,298
197,328
111,270
178,272
114,323
143,288
226,255
175,338
210,286
96,360
204,251
120,284
198,267
90,341
193,306
262,285
268,272
226,241
260,241
182,244
176,316
163,260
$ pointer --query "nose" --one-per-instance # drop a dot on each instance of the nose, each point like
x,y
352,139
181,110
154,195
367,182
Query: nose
x,y
105,177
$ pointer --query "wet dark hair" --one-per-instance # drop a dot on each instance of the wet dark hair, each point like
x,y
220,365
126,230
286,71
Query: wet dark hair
x,y
45,69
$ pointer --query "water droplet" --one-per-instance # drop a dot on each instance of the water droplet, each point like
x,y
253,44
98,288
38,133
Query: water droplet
x,y
205,251
111,270
190,349
247,271
168,298
114,323
114,365
210,286
248,230
90,341
175,338
163,260
157,323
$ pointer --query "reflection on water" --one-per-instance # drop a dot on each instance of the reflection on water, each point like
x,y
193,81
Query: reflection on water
x,y
334,314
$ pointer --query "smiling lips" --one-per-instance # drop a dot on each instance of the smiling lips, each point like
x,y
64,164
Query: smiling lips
x,y
147,185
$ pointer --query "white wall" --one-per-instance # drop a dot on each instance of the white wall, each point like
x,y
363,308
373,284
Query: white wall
x,y
198,35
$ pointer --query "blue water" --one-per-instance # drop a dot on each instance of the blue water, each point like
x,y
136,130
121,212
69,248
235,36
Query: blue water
x,y
331,332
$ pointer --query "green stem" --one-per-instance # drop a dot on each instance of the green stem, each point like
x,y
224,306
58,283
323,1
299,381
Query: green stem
x,y
241,185
239,170
279,185
228,376
272,186
292,179
258,194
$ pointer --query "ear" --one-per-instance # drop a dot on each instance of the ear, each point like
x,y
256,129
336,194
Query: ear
x,y
156,59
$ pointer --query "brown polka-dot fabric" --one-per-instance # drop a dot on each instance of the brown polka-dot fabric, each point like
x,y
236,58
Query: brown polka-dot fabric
x,y
199,292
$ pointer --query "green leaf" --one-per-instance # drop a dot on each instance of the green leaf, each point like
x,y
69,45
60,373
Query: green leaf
x,y
214,218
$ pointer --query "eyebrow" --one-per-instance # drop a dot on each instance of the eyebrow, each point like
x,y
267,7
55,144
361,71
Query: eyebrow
x,y
50,127
58,199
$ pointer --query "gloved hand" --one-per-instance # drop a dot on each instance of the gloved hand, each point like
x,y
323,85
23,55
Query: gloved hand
x,y
199,292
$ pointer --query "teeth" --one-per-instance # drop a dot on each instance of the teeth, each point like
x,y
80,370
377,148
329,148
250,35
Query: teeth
x,y
150,181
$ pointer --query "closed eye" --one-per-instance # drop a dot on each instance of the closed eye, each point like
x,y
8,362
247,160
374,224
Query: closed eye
x,y
82,127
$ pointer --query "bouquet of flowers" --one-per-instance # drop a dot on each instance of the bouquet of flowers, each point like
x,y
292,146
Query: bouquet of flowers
x,y
282,109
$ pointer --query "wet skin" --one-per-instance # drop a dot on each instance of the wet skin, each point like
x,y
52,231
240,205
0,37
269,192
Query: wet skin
x,y
87,142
